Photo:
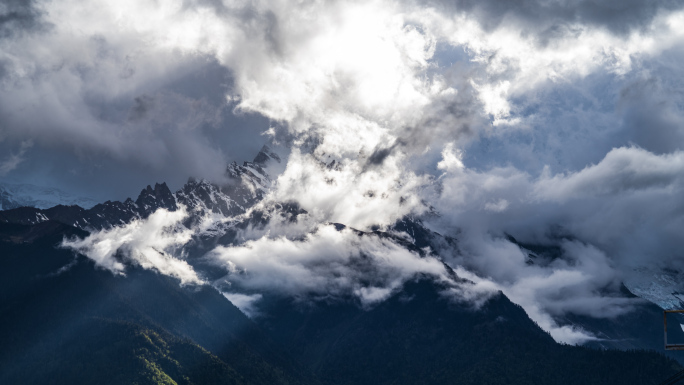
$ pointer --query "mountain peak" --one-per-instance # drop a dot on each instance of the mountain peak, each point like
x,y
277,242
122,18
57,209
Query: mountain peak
x,y
151,199
249,182
265,155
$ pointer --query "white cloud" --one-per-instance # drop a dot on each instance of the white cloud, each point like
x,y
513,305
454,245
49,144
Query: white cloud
x,y
497,206
623,170
621,212
325,262
153,243
570,284
451,159
246,303
352,192
631,193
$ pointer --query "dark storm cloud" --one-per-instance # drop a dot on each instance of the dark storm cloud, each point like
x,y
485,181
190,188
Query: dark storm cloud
x,y
111,112
549,18
377,158
650,112
142,104
18,17
181,128
13,160
89,173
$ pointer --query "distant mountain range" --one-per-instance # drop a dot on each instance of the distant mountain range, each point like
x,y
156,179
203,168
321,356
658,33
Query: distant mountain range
x,y
66,321
19,195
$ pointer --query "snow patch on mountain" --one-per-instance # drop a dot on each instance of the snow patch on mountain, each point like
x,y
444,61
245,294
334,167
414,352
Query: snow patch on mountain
x,y
661,287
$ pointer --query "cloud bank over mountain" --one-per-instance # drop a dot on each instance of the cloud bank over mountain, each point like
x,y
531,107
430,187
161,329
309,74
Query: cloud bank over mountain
x,y
152,243
326,262
559,123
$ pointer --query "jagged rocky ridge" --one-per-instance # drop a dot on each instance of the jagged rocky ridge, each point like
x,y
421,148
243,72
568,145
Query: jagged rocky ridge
x,y
246,185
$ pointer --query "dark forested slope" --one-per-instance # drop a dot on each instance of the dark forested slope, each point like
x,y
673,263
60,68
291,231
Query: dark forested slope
x,y
421,336
63,321
59,310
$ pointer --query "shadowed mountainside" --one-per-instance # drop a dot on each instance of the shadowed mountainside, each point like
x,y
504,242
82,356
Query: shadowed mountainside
x,y
58,309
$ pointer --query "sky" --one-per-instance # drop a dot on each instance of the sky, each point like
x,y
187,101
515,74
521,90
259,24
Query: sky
x,y
558,122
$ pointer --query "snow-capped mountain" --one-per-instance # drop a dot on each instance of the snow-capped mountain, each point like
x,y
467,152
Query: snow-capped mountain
x,y
246,184
662,287
20,195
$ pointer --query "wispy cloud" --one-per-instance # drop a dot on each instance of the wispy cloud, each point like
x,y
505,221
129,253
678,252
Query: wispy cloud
x,y
12,162
324,263
153,243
